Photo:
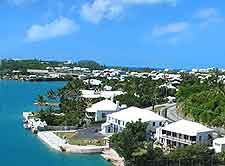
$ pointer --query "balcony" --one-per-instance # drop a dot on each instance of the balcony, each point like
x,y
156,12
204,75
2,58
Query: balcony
x,y
177,139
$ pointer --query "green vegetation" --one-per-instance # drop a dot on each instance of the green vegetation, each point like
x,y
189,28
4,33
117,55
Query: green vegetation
x,y
22,65
143,92
203,101
133,145
92,65
71,105
73,140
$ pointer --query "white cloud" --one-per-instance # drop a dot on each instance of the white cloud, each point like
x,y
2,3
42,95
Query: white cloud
x,y
99,10
59,27
171,2
207,13
207,16
172,28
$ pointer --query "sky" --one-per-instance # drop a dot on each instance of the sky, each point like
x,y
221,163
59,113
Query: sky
x,y
136,33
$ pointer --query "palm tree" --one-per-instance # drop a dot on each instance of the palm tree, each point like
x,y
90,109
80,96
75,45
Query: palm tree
x,y
41,100
52,94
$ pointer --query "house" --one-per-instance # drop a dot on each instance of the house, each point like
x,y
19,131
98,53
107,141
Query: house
x,y
100,110
117,121
219,145
183,132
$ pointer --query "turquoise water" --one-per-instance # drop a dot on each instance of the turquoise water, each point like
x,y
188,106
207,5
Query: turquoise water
x,y
19,147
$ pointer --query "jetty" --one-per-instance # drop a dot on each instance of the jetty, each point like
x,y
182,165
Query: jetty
x,y
60,144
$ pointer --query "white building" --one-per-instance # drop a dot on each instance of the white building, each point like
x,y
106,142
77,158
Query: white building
x,y
100,110
183,132
219,144
116,122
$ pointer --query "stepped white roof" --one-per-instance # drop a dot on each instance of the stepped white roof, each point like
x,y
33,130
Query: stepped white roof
x,y
134,114
104,105
187,127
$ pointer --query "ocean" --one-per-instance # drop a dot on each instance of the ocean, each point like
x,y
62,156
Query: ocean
x,y
19,147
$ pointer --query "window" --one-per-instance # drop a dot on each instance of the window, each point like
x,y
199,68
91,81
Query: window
x,y
119,122
160,123
153,124
180,135
168,142
163,131
193,138
185,137
103,115
116,120
200,138
174,143
168,133
123,123
174,134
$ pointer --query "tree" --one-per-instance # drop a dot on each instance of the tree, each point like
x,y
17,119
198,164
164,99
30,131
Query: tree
x,y
130,140
41,100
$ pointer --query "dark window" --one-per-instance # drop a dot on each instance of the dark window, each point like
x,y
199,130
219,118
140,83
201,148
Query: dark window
x,y
180,135
153,123
168,142
119,122
103,115
193,138
160,123
163,131
200,138
174,143
168,133
174,134
185,137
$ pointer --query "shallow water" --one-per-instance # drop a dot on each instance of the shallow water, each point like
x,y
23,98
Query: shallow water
x,y
19,147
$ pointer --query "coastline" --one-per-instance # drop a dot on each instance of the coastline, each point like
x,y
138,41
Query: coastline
x,y
58,144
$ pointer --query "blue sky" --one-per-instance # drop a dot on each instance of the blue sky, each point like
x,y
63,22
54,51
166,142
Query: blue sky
x,y
152,33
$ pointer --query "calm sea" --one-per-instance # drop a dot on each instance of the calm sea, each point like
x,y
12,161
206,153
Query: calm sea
x,y
19,147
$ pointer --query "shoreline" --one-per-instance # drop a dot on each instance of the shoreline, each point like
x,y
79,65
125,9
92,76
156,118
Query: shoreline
x,y
58,144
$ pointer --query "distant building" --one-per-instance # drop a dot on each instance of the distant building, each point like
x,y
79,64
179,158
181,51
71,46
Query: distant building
x,y
219,145
100,110
183,132
116,122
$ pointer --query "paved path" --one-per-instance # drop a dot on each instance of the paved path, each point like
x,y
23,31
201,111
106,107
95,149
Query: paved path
x,y
51,139
171,113
57,143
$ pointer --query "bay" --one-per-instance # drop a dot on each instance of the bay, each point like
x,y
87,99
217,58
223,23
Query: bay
x,y
19,147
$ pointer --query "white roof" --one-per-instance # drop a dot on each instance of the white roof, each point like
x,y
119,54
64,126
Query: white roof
x,y
104,105
220,141
134,114
187,127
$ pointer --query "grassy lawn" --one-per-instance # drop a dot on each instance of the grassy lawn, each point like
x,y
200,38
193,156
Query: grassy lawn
x,y
71,136
67,135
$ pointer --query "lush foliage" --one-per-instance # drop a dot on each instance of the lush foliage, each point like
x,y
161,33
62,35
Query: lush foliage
x,y
133,145
92,65
70,104
203,101
143,92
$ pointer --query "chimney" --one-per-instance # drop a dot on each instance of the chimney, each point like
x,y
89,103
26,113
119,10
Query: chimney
x,y
118,104
112,98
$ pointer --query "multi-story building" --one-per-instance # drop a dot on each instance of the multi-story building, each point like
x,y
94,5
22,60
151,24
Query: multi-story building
x,y
117,121
183,132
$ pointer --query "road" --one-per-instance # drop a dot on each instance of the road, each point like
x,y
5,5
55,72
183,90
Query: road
x,y
168,111
171,113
